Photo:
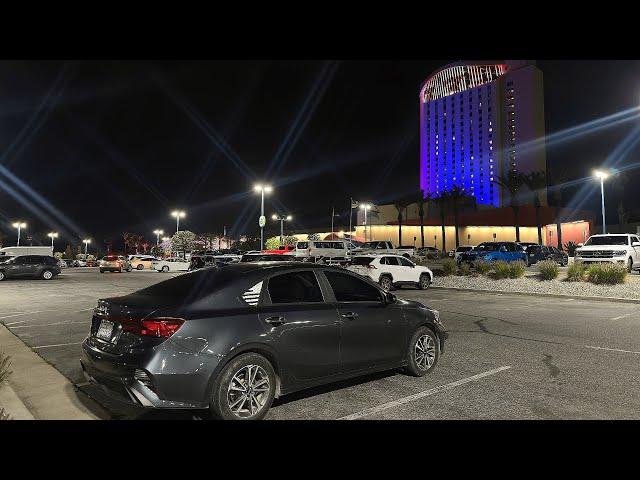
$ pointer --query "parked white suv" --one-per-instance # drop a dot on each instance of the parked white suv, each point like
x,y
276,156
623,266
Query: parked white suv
x,y
611,248
391,270
321,251
384,246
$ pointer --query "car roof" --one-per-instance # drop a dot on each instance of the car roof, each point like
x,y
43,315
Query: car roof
x,y
612,234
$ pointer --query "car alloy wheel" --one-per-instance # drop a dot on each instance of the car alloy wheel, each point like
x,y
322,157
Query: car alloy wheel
x,y
630,265
47,275
1,276
424,282
425,352
386,283
165,269
140,267
248,391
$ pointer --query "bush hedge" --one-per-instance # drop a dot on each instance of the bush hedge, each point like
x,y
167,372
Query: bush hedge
x,y
501,270
517,269
575,272
465,269
607,273
548,269
449,267
482,267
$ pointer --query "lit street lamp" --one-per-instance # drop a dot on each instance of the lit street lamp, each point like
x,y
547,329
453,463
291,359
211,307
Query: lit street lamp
x,y
52,235
365,207
178,214
281,219
262,220
19,226
86,242
333,215
602,175
158,233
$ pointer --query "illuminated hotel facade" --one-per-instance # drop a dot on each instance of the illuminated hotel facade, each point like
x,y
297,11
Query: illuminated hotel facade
x,y
478,120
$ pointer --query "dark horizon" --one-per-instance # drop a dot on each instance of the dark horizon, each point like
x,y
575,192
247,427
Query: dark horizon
x,y
99,148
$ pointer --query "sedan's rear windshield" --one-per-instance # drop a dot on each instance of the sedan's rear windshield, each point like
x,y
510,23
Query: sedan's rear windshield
x,y
361,260
608,240
110,258
190,285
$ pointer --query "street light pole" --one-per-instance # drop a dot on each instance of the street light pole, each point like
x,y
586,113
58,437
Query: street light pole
x,y
365,207
19,226
158,233
178,214
602,175
261,222
86,241
281,219
333,215
52,235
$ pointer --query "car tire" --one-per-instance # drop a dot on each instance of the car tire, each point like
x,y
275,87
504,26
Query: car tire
x,y
423,353
120,270
2,276
102,270
630,265
386,282
140,267
129,269
165,268
424,281
228,400
46,275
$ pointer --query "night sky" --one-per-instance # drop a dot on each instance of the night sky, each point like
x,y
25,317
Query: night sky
x,y
97,148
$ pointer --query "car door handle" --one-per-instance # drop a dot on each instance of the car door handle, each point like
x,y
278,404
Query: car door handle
x,y
350,315
275,321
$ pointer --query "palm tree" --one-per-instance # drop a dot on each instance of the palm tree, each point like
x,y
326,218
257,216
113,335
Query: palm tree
x,y
401,204
623,212
561,176
421,201
536,182
458,196
512,182
442,200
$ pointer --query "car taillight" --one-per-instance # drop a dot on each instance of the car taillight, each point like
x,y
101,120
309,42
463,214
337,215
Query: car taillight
x,y
159,327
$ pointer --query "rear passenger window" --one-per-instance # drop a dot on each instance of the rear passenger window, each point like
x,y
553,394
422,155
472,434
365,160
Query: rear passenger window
x,y
391,261
348,288
296,287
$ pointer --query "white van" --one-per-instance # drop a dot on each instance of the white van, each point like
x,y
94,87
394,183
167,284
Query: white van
x,y
15,251
321,251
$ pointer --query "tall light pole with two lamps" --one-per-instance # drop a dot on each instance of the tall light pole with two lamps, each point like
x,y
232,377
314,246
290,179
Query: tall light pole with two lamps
x,y
52,235
602,175
86,242
262,221
281,219
158,233
178,214
19,225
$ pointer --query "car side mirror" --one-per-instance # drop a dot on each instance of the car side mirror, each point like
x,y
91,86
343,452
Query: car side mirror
x,y
389,298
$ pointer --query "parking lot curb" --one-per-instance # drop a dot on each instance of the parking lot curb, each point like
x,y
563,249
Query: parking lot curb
x,y
552,295
13,407
44,392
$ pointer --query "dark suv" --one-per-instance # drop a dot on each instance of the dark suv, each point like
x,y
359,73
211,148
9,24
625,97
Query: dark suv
x,y
34,266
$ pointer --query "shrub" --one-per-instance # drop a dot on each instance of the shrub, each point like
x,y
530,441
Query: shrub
x,y
607,273
464,269
575,272
482,266
517,269
548,269
4,368
501,269
449,267
571,247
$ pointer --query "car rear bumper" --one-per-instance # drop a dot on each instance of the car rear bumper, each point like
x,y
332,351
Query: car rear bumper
x,y
130,381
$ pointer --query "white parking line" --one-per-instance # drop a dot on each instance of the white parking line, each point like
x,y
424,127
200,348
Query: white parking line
x,y
23,313
426,393
49,324
611,349
622,316
57,345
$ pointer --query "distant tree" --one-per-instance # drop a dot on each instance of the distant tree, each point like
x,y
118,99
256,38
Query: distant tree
x,y
183,241
421,201
272,243
512,182
209,241
458,197
400,204
621,182
536,182
157,251
68,253
442,201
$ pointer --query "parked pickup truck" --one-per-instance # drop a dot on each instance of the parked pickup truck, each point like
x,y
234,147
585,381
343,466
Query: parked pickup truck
x,y
611,248
383,246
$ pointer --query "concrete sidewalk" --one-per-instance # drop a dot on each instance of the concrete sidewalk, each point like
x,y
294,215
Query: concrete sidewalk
x,y
36,390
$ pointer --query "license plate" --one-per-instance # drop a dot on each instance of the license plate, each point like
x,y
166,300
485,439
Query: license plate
x,y
105,331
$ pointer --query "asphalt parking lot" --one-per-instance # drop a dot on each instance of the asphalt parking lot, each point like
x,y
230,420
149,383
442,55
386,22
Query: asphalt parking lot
x,y
507,357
